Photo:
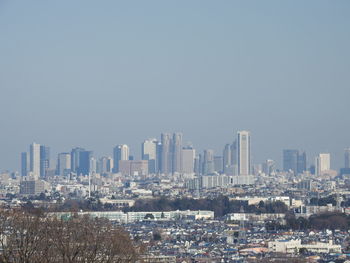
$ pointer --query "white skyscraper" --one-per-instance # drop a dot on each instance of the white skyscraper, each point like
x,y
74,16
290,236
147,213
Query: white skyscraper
x,y
322,163
188,155
34,159
243,153
120,153
149,153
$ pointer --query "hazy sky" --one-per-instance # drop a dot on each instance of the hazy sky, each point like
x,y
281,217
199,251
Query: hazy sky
x,y
99,73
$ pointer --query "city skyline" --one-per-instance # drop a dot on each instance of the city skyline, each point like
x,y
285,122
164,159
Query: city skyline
x,y
167,156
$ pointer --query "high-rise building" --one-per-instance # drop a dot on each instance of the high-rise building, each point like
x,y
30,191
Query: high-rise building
x,y
234,152
25,166
120,153
166,154
301,163
218,164
188,160
294,161
75,156
84,162
290,160
347,158
44,160
177,152
105,165
34,158
149,152
208,161
226,155
63,164
269,167
322,163
243,153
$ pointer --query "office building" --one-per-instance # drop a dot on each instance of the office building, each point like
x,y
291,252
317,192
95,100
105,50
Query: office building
x,y
25,166
243,153
75,156
218,164
84,162
322,163
149,152
294,161
105,165
133,168
120,153
63,164
188,160
34,158
208,162
44,160
166,154
177,152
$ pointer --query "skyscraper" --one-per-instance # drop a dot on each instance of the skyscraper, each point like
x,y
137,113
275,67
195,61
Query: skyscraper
x,y
226,156
84,162
347,158
149,153
208,161
44,160
75,156
34,158
322,163
188,159
243,153
166,154
120,153
301,162
294,161
290,160
177,152
25,166
63,163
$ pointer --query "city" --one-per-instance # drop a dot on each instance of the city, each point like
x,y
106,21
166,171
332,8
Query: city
x,y
199,206
187,131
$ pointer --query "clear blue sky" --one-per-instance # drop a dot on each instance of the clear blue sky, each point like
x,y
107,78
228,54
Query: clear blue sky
x,y
100,73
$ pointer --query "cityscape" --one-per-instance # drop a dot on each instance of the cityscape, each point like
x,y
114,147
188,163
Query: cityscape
x,y
180,131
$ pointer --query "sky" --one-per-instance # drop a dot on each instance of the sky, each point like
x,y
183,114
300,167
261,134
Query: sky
x,y
100,73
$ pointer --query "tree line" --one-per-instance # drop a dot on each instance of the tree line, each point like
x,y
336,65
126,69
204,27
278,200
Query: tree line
x,y
37,238
221,205
329,220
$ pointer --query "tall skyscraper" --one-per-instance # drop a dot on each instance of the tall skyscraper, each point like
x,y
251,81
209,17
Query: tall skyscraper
x,y
294,161
188,160
84,162
25,166
44,160
243,153
105,165
120,153
149,153
34,157
75,156
347,158
208,161
322,163
166,154
177,152
301,162
226,156
218,164
290,160
63,163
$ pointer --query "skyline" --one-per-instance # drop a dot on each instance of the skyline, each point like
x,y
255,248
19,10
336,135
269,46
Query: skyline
x,y
165,152
97,75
